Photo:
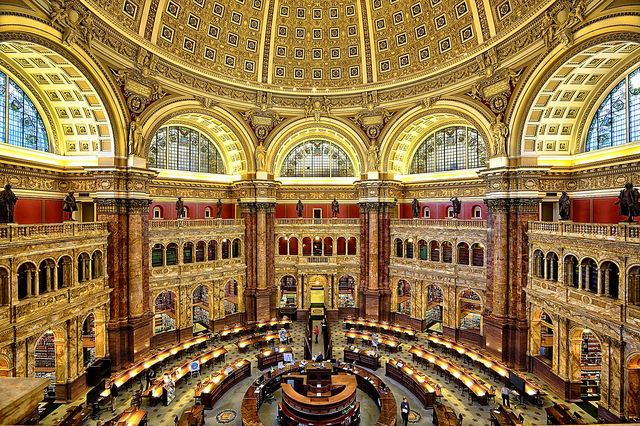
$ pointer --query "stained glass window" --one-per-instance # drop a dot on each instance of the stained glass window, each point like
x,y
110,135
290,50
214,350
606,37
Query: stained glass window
x,y
20,121
317,158
617,120
449,148
183,148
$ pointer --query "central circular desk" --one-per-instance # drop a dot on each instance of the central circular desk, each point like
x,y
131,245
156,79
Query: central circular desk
x,y
367,382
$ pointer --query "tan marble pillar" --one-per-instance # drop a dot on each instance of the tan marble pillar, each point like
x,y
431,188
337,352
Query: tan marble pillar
x,y
135,247
373,249
261,261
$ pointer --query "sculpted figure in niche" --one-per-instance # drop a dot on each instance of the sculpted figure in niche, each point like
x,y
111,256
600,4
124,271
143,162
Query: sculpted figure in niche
x,y
219,209
299,208
629,201
499,132
260,154
179,208
564,205
457,205
8,202
415,208
335,207
69,204
308,107
136,140
372,157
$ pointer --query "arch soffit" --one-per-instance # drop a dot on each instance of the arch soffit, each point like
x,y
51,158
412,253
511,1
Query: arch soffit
x,y
477,293
410,128
339,131
540,88
229,130
87,76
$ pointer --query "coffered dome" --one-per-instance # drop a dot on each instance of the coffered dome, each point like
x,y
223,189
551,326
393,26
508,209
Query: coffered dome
x,y
328,44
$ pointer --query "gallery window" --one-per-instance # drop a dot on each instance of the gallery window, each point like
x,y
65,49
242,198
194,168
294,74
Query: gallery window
x,y
20,121
186,149
449,148
317,158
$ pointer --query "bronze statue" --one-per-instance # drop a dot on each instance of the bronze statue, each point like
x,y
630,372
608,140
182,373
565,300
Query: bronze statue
x,y
335,207
180,208
457,205
219,209
629,200
8,202
564,204
299,208
69,204
415,208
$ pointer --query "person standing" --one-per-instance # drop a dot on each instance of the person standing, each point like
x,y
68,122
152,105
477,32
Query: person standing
x,y
404,410
323,323
316,332
151,374
505,396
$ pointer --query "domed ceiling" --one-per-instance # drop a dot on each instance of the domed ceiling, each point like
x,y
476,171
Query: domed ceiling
x,y
323,44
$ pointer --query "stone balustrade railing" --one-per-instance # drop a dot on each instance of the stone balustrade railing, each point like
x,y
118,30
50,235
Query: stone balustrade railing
x,y
312,222
609,231
441,223
13,232
195,223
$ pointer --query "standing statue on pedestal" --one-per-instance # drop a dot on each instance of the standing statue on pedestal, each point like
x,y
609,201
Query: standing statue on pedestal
x,y
564,205
69,204
415,208
299,208
219,209
260,155
8,202
335,207
180,208
629,200
457,205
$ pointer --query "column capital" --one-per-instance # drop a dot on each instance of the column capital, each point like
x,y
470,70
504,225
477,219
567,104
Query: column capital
x,y
376,207
512,205
257,207
123,205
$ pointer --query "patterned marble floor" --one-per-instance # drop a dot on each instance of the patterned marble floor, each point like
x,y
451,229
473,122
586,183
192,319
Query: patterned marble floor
x,y
227,410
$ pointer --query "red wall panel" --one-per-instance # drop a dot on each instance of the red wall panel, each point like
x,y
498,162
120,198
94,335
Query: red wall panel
x,y
53,211
580,210
28,211
605,211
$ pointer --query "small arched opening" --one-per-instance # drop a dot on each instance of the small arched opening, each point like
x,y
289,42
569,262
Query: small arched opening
x,y
404,297
463,254
399,247
231,297
447,252
346,292
433,308
552,266
470,311
288,292
200,246
200,309
165,312
172,254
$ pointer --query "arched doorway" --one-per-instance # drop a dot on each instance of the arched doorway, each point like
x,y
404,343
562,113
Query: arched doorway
x,y
586,362
633,401
165,312
49,354
231,297
200,303
288,292
546,339
89,340
404,297
433,308
470,311
4,368
346,292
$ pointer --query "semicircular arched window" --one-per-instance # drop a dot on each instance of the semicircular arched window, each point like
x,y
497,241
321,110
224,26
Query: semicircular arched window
x,y
449,148
20,121
617,120
317,158
186,149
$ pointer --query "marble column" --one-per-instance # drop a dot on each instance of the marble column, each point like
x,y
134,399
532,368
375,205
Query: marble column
x,y
129,326
505,319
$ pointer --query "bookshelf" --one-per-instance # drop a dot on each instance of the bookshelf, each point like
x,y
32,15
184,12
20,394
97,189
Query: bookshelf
x,y
45,356
346,289
163,322
471,322
200,315
346,300
201,297
590,366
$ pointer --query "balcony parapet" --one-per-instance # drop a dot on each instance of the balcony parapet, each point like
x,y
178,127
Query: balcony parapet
x,y
195,223
623,232
14,233
441,223
316,222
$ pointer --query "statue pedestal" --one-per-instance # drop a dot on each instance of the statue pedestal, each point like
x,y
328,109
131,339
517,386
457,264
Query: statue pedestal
x,y
262,175
373,174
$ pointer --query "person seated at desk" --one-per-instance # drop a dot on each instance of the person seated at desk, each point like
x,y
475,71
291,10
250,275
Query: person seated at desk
x,y
283,336
319,358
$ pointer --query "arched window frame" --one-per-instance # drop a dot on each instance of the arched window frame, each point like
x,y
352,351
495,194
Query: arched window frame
x,y
317,158
18,113
449,148
186,149
617,119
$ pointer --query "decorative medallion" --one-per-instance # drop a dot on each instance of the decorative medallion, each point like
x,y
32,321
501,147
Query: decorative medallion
x,y
138,90
496,91
226,416
414,416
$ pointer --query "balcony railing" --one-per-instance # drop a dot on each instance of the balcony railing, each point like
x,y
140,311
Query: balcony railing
x,y
311,221
609,231
14,232
441,223
195,223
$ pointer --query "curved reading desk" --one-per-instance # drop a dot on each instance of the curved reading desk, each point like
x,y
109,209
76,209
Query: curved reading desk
x,y
368,382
